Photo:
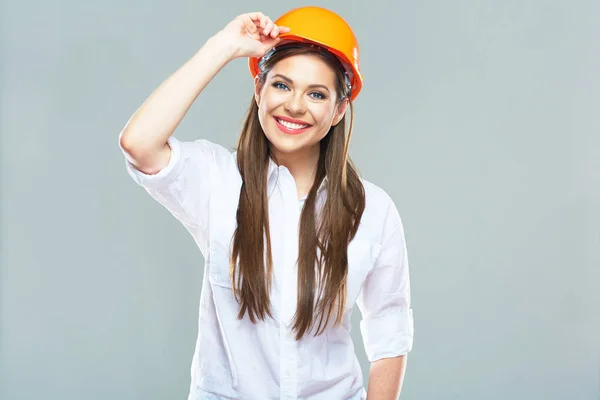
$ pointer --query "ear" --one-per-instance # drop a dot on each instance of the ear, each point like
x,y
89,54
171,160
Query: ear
x,y
257,89
340,111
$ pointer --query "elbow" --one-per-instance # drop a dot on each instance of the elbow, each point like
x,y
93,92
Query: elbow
x,y
132,149
143,155
127,141
133,146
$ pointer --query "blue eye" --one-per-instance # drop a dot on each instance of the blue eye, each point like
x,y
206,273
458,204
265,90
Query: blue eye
x,y
280,85
313,95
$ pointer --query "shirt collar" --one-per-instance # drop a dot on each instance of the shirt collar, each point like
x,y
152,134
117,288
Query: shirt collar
x,y
273,173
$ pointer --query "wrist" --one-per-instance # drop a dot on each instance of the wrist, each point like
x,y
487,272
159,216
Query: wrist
x,y
223,47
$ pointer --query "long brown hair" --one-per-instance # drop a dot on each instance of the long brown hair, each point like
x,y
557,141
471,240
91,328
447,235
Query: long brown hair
x,y
323,241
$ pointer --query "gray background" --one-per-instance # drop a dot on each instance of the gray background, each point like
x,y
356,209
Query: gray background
x,y
480,118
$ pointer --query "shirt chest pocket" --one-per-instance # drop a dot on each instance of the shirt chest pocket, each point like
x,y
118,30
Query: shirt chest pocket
x,y
222,227
219,273
362,254
220,251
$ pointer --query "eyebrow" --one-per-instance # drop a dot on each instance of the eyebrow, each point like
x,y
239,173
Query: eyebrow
x,y
291,82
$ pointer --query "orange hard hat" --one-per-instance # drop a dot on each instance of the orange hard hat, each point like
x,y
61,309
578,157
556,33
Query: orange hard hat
x,y
317,25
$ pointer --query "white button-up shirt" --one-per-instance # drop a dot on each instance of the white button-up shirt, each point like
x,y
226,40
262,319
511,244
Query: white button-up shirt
x,y
236,359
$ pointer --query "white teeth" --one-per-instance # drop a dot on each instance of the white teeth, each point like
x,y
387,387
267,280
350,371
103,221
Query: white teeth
x,y
291,125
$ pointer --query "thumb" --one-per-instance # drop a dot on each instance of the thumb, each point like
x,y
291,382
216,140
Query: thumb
x,y
270,43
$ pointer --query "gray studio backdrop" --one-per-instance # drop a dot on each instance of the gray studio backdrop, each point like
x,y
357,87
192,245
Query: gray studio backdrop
x,y
480,118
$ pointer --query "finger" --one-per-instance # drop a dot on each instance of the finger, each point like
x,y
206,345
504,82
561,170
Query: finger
x,y
250,25
275,32
269,27
258,17
283,29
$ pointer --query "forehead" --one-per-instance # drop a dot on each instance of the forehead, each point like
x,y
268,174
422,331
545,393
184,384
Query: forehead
x,y
306,69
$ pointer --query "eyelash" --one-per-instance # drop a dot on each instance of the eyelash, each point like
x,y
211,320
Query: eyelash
x,y
278,85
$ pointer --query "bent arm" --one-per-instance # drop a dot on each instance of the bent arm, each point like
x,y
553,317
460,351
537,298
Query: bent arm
x,y
144,137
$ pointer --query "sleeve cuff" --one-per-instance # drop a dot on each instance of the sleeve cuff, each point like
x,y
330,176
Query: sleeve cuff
x,y
388,336
164,175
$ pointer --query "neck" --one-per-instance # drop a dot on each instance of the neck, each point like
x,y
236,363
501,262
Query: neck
x,y
302,165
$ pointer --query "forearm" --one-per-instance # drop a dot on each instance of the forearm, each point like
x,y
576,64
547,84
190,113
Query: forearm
x,y
156,120
386,377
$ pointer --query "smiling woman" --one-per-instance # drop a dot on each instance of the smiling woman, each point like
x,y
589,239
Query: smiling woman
x,y
299,92
292,236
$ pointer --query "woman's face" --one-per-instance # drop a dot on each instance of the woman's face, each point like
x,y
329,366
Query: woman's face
x,y
298,104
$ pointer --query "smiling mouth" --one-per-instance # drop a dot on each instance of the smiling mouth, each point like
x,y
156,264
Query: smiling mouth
x,y
291,125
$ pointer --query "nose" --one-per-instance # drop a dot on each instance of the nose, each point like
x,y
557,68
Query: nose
x,y
295,104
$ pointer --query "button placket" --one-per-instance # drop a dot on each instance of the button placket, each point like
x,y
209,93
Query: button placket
x,y
289,354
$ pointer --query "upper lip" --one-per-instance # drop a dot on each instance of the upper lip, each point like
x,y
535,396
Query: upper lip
x,y
292,120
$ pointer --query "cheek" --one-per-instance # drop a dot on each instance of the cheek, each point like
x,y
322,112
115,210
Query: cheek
x,y
261,114
269,102
324,115
264,108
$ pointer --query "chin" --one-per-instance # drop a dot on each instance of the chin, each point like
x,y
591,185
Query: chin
x,y
285,147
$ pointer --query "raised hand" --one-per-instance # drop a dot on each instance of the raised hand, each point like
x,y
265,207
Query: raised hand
x,y
252,34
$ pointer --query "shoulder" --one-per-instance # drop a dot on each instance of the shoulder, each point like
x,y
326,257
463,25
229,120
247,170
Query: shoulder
x,y
198,147
381,211
203,151
376,198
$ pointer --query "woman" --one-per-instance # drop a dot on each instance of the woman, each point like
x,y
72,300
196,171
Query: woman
x,y
292,237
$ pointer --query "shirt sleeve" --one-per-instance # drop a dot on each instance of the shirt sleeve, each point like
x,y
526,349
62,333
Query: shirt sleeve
x,y
384,301
183,185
